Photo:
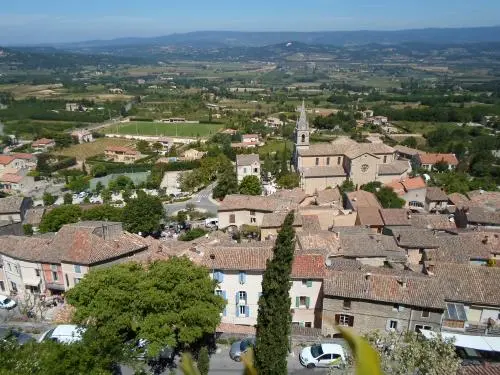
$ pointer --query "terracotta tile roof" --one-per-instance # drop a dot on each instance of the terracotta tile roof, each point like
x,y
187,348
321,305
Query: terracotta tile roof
x,y
311,223
122,149
324,171
81,245
469,283
270,203
414,183
487,199
479,215
345,146
276,219
34,216
432,221
436,194
407,150
370,245
31,249
247,159
361,198
419,291
461,248
309,266
10,205
11,178
6,159
369,216
414,238
397,167
323,243
296,195
394,216
236,329
483,369
237,258
244,136
42,142
451,159
24,156
328,196
458,200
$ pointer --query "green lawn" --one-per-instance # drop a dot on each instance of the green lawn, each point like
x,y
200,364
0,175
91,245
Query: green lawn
x,y
273,146
423,127
169,130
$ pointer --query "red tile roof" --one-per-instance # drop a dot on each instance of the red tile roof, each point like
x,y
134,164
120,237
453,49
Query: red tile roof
x,y
125,150
6,159
25,156
12,178
484,369
414,183
309,266
42,142
451,159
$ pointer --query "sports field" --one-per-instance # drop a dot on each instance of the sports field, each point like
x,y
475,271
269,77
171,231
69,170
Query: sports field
x,y
169,130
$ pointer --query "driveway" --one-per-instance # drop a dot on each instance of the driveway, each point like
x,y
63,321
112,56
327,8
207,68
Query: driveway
x,y
201,200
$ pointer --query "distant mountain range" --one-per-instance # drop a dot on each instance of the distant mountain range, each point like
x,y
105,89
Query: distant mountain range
x,y
220,39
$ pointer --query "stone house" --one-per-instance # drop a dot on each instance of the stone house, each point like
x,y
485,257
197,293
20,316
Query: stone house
x,y
82,136
43,144
428,161
412,190
13,209
120,154
436,200
247,165
368,301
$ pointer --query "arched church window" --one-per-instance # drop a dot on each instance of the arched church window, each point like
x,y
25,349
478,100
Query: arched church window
x,y
303,138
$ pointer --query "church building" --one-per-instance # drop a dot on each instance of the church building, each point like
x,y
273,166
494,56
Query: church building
x,y
323,165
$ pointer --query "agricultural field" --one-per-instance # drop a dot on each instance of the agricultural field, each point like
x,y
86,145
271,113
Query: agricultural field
x,y
422,127
169,130
86,150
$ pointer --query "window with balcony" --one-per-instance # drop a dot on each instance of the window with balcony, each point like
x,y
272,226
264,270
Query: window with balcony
x,y
302,302
242,297
243,311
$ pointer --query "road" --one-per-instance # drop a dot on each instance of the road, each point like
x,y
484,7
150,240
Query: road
x,y
202,200
221,364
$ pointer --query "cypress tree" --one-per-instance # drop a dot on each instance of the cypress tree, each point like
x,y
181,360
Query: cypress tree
x,y
274,319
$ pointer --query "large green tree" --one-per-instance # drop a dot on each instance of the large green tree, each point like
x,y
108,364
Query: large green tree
x,y
59,216
410,353
385,195
143,214
289,180
166,303
274,319
227,183
250,185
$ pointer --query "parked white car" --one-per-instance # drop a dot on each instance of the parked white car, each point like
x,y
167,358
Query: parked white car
x,y
322,355
64,333
7,303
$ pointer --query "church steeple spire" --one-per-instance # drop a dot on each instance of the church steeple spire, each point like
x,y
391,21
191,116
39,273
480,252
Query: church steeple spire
x,y
302,123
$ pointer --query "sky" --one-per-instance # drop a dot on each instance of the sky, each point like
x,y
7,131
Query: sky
x,y
51,21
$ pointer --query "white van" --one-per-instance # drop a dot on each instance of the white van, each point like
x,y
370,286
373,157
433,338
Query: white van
x,y
322,355
64,333
211,222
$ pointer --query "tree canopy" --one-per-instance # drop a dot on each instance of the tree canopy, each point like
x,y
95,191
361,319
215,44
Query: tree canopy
x,y
59,216
143,214
385,195
289,180
227,183
166,303
250,185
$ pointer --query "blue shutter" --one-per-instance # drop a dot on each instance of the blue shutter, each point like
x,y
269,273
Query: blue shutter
x,y
221,276
247,310
309,283
225,299
243,277
215,275
237,298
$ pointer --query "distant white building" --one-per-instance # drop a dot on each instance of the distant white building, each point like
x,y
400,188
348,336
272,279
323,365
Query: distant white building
x,y
247,165
82,136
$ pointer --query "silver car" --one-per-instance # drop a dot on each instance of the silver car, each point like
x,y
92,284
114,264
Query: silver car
x,y
239,348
